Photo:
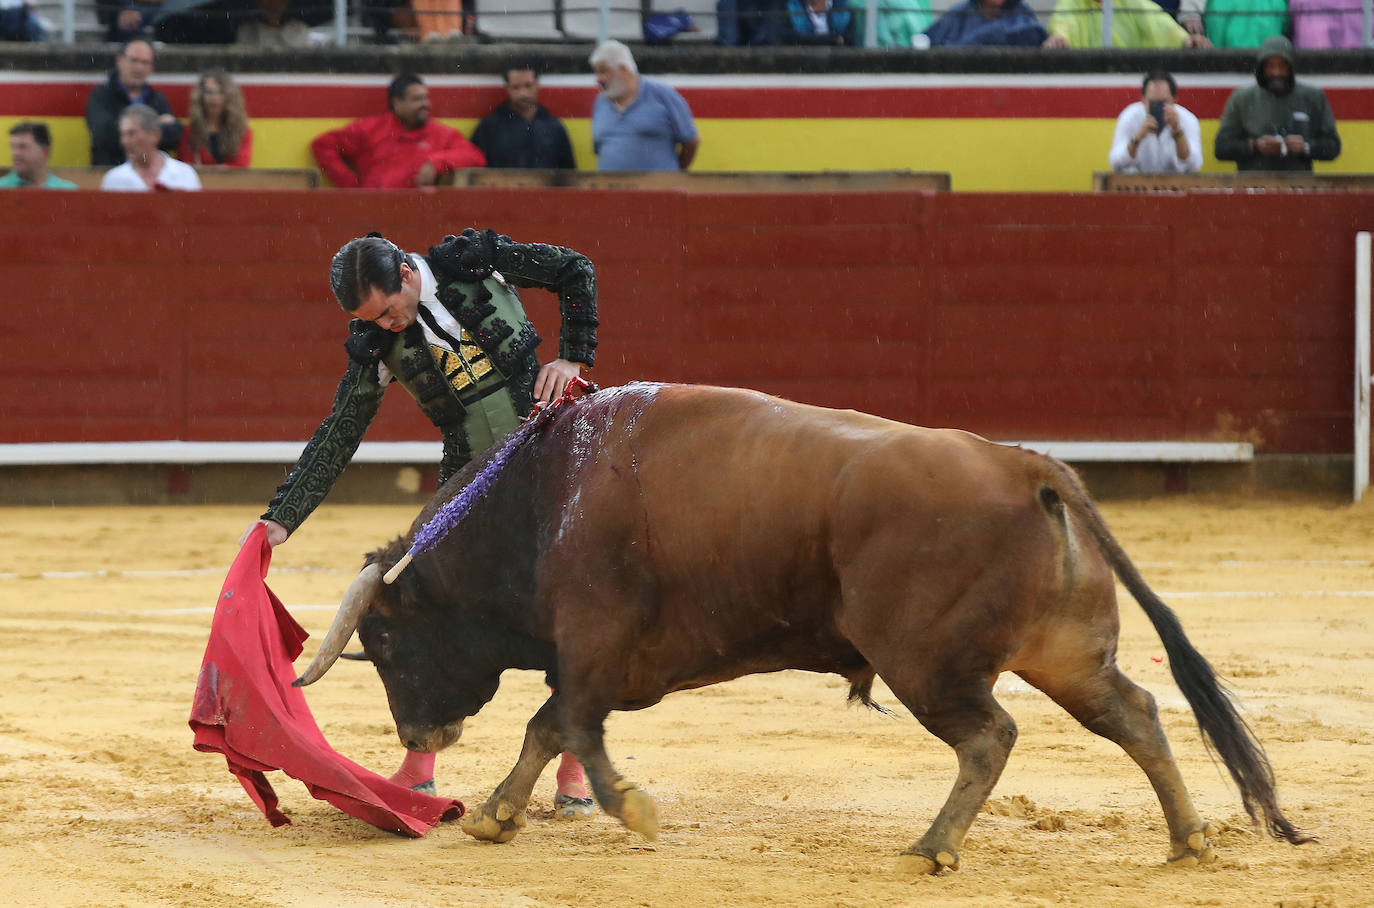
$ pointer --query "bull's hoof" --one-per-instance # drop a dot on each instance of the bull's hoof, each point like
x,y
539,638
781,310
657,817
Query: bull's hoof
x,y
1196,849
494,825
919,863
637,810
567,807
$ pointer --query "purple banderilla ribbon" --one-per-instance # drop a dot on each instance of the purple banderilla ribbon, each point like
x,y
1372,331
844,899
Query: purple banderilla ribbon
x,y
457,507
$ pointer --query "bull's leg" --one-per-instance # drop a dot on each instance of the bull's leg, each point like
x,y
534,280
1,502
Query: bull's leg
x,y
1108,703
503,814
967,718
617,795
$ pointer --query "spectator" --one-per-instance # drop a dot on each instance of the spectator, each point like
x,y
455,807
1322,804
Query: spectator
x,y
819,22
128,84
1245,23
1278,123
439,20
748,22
30,144
987,23
19,22
899,22
638,123
1156,135
147,168
1326,24
395,150
521,132
217,130
1135,23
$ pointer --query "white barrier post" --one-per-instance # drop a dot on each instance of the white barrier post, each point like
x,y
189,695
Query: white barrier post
x,y
603,22
68,21
871,23
340,22
1362,386
1106,23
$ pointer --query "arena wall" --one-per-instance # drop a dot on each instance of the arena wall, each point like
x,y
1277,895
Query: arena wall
x,y
1044,132
1203,316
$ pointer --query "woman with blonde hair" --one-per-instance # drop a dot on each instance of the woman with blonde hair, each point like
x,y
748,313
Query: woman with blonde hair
x,y
218,130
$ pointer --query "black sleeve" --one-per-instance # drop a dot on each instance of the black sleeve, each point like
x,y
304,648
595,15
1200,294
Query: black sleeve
x,y
473,256
566,161
171,132
102,122
331,447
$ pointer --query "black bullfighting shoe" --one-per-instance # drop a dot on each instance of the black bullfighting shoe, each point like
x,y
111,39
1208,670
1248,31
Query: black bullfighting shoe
x,y
567,807
425,788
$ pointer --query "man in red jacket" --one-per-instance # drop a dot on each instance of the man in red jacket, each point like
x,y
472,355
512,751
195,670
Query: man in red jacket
x,y
395,150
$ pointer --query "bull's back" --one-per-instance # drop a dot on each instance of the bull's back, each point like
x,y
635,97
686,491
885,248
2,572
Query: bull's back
x,y
732,495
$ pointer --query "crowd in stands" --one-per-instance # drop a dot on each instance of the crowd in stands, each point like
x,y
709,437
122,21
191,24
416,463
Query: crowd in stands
x,y
638,124
1311,24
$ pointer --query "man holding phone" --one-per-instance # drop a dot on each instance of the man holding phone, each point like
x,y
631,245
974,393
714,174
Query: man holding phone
x,y
1156,135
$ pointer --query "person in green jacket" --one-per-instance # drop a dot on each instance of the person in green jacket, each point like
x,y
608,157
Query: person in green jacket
x,y
1244,23
30,144
448,327
1135,23
1278,123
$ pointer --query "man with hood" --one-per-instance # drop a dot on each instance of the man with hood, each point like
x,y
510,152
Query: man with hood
x,y
1278,123
987,22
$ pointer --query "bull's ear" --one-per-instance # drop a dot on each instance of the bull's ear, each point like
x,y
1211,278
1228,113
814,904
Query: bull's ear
x,y
359,596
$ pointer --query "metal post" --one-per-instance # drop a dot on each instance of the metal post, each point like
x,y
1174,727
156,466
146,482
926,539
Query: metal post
x,y
1362,381
1367,24
871,23
340,22
603,24
69,21
1106,23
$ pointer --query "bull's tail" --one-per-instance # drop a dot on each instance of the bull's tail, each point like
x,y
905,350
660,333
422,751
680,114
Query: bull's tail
x,y
1223,729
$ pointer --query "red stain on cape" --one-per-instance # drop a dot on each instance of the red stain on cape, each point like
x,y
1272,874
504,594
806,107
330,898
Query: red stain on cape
x,y
246,709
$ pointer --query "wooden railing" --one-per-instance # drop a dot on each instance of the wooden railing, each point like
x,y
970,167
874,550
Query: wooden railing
x,y
710,181
1230,182
210,177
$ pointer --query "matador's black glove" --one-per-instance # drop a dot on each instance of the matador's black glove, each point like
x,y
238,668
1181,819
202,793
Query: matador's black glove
x,y
470,258
367,341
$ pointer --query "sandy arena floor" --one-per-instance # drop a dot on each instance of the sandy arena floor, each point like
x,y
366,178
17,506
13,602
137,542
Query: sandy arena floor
x,y
771,790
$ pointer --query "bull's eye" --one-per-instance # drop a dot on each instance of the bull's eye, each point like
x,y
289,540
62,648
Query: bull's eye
x,y
384,641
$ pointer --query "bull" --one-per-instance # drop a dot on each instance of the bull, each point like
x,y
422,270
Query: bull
x,y
656,538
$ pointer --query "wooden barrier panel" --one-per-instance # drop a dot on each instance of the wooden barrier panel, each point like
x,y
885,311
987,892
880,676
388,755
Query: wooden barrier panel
x,y
1107,181
210,177
1098,317
708,181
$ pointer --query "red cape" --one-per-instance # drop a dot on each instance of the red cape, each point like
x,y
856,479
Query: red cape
x,y
246,709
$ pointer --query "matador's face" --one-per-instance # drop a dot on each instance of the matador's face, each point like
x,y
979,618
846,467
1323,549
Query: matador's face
x,y
393,311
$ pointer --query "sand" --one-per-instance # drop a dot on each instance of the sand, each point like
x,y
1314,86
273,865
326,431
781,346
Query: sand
x,y
771,790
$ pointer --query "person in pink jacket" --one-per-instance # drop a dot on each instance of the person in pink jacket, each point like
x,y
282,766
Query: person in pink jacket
x,y
396,150
1325,24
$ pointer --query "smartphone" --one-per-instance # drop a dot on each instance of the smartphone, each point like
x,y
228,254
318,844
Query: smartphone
x,y
1156,109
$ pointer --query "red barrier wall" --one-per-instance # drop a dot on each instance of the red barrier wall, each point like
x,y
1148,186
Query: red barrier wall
x,y
1200,317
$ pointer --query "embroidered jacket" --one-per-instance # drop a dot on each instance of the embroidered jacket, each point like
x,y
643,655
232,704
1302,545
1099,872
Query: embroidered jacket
x,y
495,354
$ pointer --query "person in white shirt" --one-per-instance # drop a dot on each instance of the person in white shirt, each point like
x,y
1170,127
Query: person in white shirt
x,y
1156,135
147,168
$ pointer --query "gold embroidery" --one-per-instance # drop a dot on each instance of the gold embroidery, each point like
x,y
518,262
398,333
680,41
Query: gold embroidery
x,y
465,367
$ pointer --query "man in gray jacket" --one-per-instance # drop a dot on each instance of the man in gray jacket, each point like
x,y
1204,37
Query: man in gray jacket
x,y
1278,123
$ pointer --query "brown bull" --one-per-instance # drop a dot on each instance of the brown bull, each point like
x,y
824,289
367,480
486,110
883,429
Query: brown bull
x,y
656,538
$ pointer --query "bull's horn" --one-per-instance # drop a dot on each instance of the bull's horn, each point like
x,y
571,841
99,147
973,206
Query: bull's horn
x,y
355,602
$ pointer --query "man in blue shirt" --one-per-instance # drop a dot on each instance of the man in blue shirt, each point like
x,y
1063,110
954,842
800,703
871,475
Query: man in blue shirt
x,y
638,124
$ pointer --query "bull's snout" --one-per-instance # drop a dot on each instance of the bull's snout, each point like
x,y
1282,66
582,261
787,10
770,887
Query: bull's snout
x,y
429,739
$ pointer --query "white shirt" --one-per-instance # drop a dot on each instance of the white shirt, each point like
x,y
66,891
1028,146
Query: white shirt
x,y
173,175
1156,152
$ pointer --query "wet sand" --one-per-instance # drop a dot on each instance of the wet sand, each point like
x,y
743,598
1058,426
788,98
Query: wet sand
x,y
771,790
